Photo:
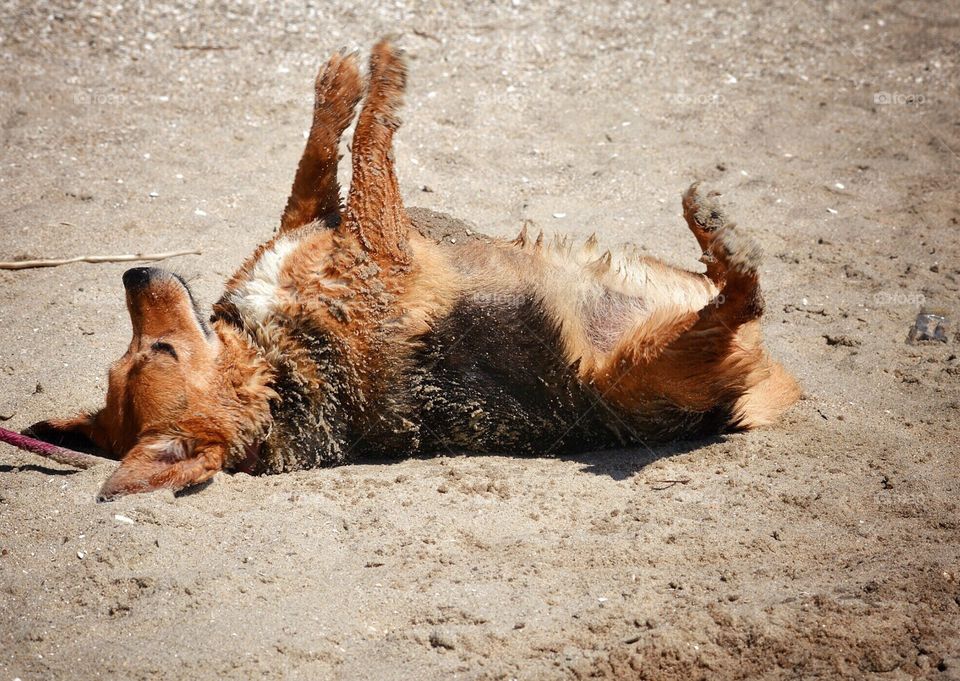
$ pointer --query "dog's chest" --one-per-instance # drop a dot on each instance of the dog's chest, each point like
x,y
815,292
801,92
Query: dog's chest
x,y
257,296
315,386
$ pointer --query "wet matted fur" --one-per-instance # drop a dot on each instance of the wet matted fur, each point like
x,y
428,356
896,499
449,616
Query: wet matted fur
x,y
352,333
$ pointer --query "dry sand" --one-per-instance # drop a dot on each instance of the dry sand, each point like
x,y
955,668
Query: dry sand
x,y
825,547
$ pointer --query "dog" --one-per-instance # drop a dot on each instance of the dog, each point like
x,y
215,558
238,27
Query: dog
x,y
350,333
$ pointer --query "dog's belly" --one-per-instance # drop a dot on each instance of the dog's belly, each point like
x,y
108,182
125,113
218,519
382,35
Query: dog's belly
x,y
491,376
500,370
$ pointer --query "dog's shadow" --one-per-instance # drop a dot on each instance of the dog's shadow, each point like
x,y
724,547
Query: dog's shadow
x,y
617,464
36,468
622,464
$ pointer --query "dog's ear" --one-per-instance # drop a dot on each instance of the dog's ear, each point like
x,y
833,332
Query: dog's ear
x,y
80,433
164,462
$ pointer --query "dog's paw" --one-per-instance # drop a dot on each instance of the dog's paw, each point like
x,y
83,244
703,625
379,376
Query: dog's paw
x,y
703,212
338,90
736,250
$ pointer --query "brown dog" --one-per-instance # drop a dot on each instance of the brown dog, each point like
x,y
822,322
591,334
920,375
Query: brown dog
x,y
351,333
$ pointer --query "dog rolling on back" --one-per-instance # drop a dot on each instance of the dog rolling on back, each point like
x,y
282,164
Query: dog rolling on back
x,y
349,333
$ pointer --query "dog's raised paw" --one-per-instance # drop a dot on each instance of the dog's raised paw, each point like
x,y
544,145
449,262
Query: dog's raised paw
x,y
703,212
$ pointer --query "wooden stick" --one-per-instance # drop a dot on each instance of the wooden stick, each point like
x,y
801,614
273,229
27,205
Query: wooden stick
x,y
52,452
127,257
668,483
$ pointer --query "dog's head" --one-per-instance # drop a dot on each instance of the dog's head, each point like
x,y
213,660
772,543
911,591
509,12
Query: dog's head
x,y
157,416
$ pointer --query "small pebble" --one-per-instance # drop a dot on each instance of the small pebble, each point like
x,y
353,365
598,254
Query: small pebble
x,y
929,326
123,519
559,216
81,554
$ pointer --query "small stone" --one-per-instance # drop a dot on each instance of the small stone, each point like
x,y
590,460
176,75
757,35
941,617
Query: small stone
x,y
929,326
81,554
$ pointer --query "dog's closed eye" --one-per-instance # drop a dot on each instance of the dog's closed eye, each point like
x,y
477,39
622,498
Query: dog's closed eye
x,y
166,348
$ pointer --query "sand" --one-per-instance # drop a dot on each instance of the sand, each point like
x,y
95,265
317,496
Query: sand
x,y
824,547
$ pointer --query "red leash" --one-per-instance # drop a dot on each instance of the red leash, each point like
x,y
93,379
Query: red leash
x,y
53,452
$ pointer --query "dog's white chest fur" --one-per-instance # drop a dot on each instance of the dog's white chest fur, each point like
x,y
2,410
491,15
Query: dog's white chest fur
x,y
257,297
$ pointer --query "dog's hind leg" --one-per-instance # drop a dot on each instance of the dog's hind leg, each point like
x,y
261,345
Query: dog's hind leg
x,y
375,210
316,194
706,358
705,218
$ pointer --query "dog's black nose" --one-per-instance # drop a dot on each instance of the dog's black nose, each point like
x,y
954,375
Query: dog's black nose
x,y
136,278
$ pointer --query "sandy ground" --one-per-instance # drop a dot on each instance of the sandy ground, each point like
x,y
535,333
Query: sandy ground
x,y
825,547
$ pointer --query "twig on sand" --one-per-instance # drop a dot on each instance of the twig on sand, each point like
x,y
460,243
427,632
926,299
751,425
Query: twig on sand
x,y
428,36
52,452
667,484
126,257
204,48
